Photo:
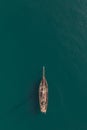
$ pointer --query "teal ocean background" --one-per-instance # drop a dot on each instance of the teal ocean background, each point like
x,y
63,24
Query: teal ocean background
x,y
33,34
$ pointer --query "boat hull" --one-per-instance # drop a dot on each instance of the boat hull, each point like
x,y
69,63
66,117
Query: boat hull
x,y
43,95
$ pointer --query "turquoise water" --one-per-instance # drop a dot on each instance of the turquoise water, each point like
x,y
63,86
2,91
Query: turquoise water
x,y
37,33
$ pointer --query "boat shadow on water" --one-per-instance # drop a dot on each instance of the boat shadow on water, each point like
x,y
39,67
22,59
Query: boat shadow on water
x,y
32,100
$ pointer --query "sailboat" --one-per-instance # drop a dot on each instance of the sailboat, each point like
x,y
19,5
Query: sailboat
x,y
43,93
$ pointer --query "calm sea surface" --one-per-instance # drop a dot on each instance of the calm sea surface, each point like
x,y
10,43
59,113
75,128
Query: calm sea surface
x,y
33,34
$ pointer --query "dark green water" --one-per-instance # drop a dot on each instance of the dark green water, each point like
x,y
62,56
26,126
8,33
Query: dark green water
x,y
37,33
